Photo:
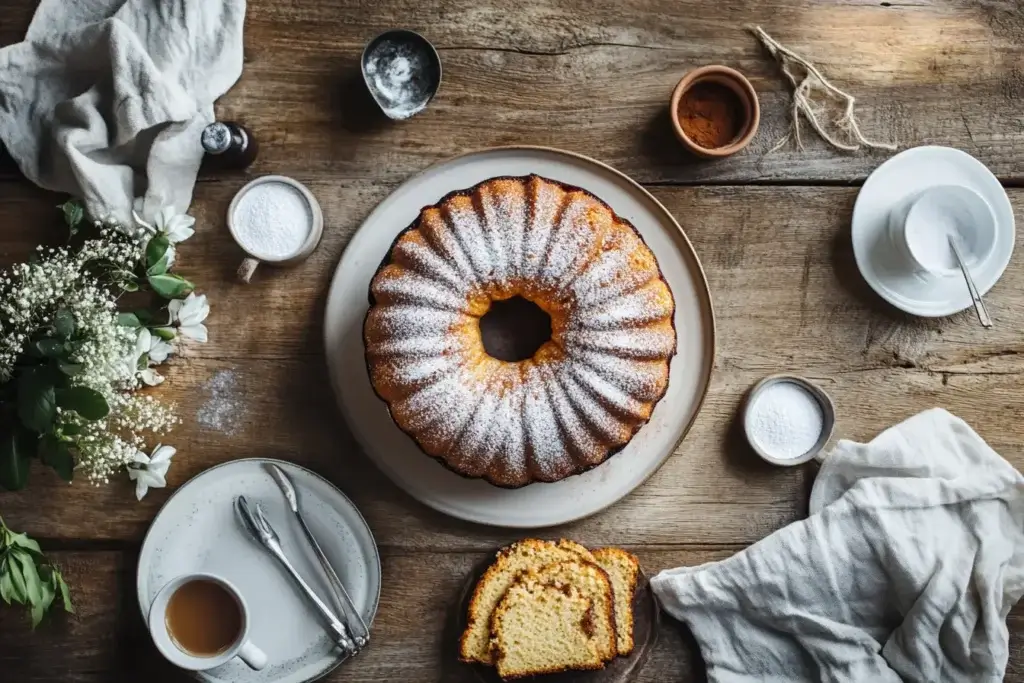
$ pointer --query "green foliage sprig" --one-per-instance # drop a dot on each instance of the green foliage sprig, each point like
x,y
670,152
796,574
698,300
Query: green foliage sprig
x,y
28,578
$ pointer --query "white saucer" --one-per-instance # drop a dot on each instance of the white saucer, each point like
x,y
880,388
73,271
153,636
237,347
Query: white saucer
x,y
890,188
537,505
197,531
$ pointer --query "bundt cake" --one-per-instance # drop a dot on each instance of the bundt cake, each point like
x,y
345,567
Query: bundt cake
x,y
588,387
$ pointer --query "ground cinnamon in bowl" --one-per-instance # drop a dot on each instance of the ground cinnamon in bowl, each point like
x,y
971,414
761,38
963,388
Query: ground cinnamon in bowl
x,y
714,111
711,114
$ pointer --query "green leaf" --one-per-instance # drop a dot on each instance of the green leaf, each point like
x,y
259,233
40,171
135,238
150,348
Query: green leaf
x,y
70,429
64,323
156,249
70,369
33,586
87,402
18,592
170,286
51,348
37,406
6,585
128,320
130,286
54,453
159,268
23,541
40,608
145,317
165,333
73,213
143,362
65,593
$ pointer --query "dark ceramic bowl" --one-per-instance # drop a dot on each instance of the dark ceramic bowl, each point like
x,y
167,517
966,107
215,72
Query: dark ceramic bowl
x,y
402,71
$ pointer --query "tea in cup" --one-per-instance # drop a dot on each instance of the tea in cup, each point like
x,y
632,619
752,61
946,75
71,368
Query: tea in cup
x,y
201,621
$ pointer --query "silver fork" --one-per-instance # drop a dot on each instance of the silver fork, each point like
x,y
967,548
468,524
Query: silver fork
x,y
348,608
259,528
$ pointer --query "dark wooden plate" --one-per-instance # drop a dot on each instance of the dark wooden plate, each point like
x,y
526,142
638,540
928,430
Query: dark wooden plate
x,y
619,670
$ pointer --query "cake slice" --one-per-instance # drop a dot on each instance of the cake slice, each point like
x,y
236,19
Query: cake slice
x,y
528,554
542,629
623,569
592,583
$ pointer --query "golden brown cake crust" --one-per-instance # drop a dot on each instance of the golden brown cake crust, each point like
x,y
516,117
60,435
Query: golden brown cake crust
x,y
394,391
618,561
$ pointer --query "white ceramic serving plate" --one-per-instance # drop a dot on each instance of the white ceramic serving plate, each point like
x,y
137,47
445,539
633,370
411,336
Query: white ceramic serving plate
x,y
889,191
197,531
537,505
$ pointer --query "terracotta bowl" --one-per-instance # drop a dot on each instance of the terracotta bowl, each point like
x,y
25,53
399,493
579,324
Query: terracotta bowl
x,y
735,81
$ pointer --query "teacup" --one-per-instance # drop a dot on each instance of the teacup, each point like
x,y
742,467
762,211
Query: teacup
x,y
212,606
923,227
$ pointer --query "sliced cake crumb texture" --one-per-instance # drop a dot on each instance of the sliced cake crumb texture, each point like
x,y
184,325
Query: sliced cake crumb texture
x,y
541,629
528,554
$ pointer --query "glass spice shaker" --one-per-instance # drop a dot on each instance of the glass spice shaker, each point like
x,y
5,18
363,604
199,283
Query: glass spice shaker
x,y
229,145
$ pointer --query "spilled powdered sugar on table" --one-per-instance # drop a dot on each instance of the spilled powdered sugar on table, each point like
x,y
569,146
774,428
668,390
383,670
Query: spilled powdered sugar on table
x,y
224,408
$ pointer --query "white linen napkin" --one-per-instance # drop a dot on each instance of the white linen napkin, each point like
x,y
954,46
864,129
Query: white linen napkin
x,y
106,99
905,570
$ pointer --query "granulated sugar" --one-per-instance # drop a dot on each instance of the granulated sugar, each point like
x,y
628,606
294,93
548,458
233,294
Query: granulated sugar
x,y
272,221
223,408
785,420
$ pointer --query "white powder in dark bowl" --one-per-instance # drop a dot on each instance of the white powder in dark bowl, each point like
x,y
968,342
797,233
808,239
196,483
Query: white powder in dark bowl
x,y
401,76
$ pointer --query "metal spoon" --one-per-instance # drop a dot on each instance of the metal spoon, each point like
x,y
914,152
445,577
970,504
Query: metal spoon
x,y
256,524
341,595
979,305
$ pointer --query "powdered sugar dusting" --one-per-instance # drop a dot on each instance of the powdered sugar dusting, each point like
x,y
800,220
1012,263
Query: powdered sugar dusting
x,y
223,408
529,420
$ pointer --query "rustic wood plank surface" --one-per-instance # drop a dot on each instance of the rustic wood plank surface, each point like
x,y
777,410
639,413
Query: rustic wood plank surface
x,y
594,77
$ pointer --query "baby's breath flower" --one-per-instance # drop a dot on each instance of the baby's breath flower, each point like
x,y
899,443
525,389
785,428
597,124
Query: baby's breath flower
x,y
86,283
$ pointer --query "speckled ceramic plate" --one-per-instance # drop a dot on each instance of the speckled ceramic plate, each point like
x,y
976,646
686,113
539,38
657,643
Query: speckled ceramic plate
x,y
536,505
197,531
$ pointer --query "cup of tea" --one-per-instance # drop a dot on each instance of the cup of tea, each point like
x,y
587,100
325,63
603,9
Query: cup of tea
x,y
201,621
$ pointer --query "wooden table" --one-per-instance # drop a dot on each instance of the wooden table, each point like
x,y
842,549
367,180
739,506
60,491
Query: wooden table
x,y
593,77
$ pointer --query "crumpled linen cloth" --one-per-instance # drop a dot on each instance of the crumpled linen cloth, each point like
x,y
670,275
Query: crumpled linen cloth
x,y
905,570
106,99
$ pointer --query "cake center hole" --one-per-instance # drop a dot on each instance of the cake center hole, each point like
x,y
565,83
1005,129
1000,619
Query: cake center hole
x,y
513,329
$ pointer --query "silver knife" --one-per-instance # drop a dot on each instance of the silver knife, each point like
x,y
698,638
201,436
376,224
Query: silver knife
x,y
348,608
261,531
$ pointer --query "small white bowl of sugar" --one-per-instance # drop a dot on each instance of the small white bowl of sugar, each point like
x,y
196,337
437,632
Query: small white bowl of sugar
x,y
275,220
788,420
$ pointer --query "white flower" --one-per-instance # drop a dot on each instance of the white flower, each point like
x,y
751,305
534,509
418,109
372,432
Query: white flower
x,y
158,349
190,313
151,377
150,471
176,226
151,344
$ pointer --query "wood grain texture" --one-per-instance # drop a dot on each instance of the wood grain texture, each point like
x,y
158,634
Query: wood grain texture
x,y
106,640
595,77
